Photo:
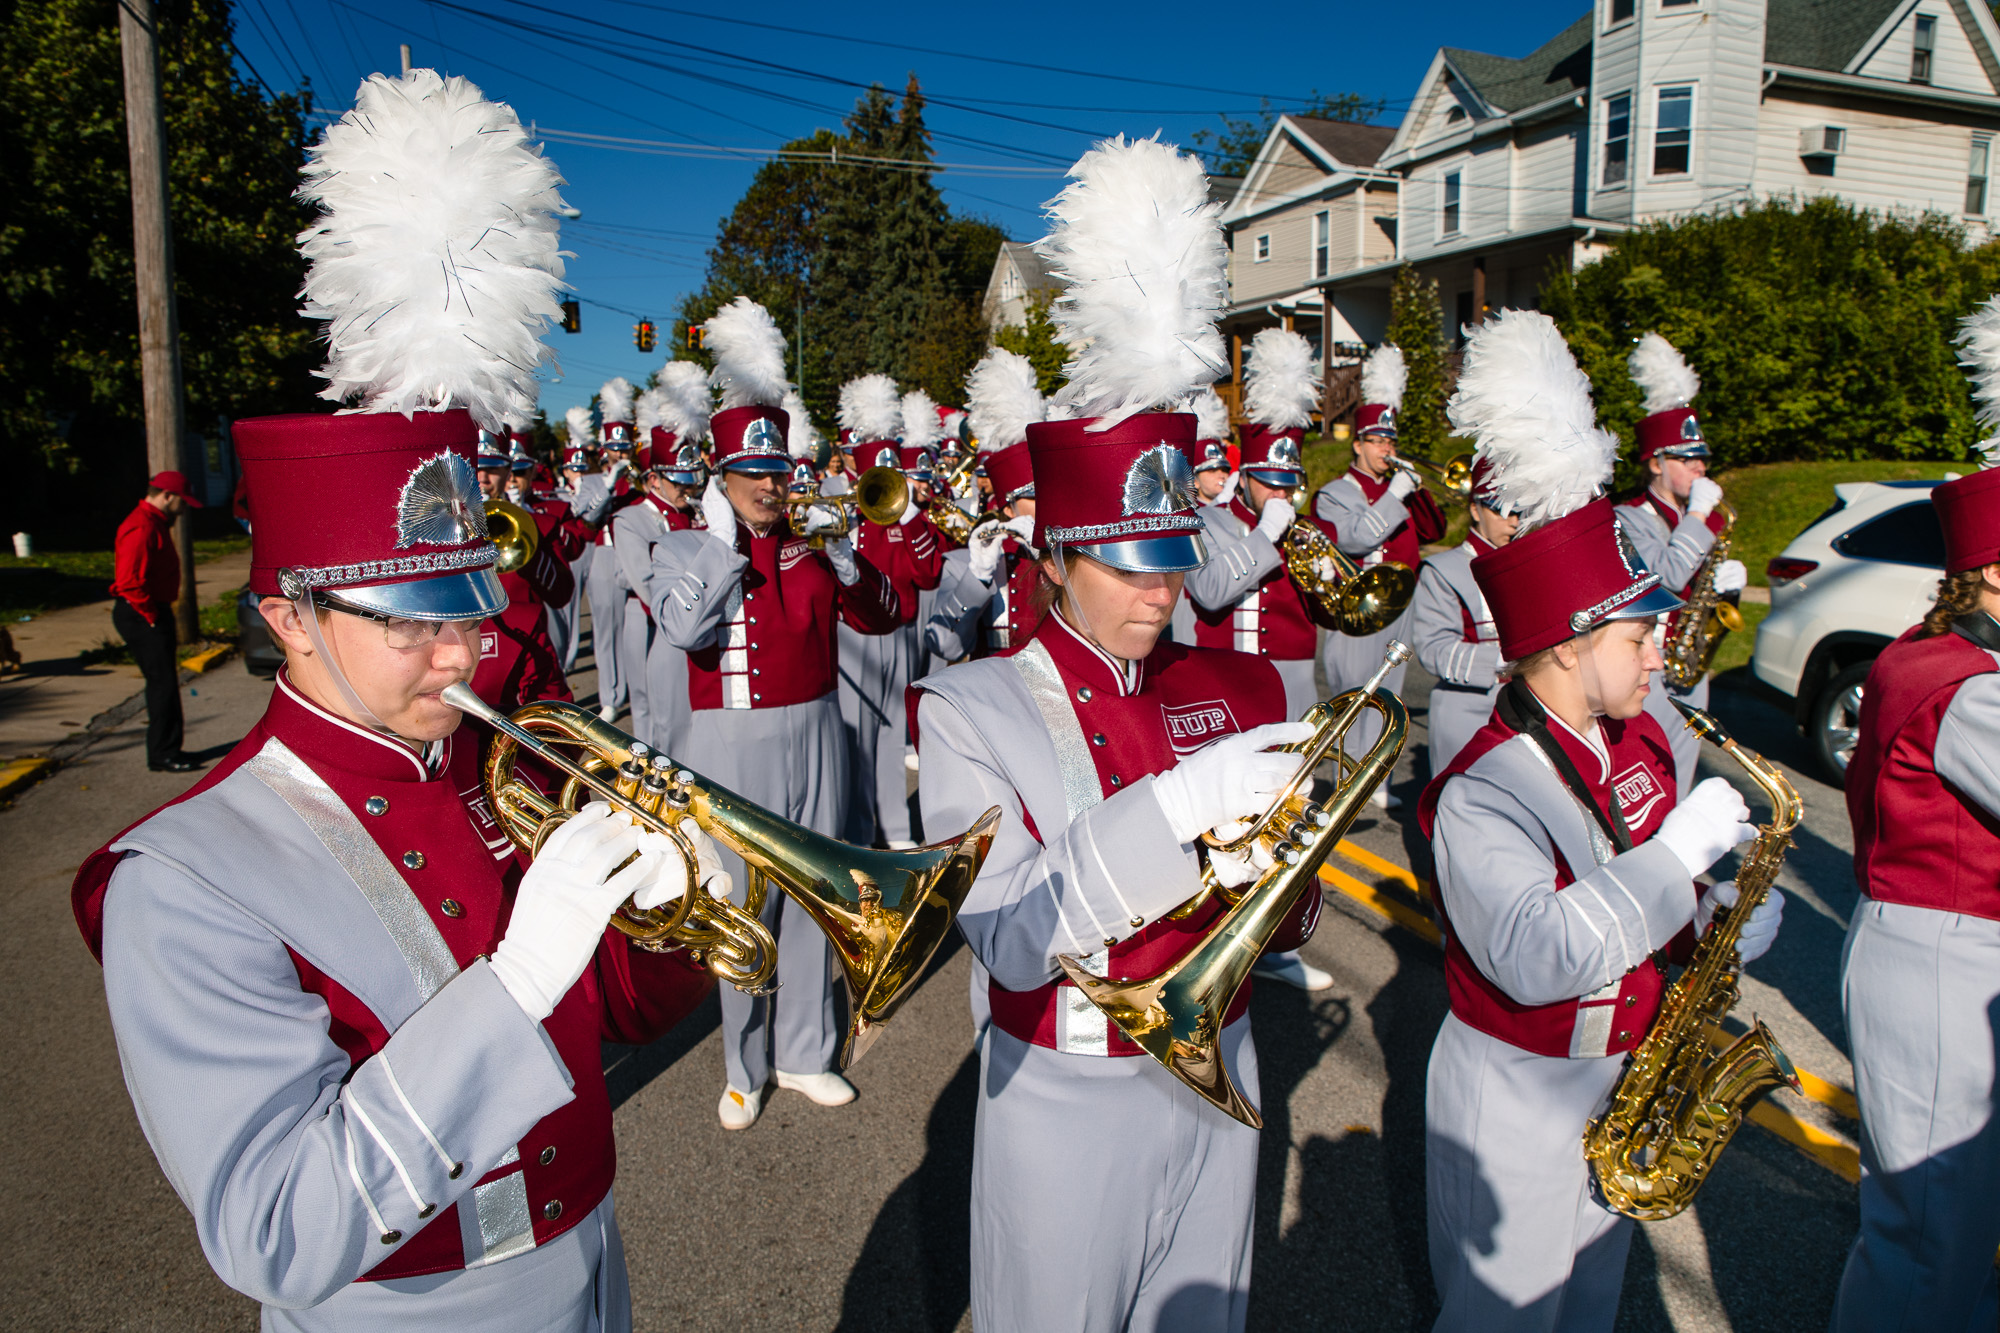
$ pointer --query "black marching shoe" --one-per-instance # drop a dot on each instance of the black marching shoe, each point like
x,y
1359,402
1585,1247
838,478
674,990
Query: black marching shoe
x,y
180,763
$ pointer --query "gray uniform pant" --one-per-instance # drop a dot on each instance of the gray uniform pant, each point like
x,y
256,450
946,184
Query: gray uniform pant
x,y
874,669
607,614
1456,715
1518,1239
1106,1196
1685,744
575,1284
793,762
635,645
562,629
667,707
1921,990
1350,661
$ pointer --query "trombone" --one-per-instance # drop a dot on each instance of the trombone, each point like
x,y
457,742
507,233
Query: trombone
x,y
884,912
1176,1016
1454,474
880,495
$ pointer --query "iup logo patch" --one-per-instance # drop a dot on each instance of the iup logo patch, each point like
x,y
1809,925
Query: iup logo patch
x,y
489,644
1191,726
1638,792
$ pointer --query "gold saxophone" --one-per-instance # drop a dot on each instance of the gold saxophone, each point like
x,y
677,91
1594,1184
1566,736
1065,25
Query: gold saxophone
x,y
1705,619
1176,1016
1680,1101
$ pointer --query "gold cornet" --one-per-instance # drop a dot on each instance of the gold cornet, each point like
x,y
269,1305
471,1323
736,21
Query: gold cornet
x,y
513,530
880,495
885,913
1176,1016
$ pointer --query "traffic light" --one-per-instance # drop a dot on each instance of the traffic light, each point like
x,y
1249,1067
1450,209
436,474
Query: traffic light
x,y
572,320
642,335
695,332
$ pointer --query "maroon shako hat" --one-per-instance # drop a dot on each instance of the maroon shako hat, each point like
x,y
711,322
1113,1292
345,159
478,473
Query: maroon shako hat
x,y
751,429
1124,496
1012,472
1969,508
1383,378
1003,399
1564,578
1670,429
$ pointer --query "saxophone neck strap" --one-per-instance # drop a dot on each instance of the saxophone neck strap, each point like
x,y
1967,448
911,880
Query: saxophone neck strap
x,y
1979,628
1522,711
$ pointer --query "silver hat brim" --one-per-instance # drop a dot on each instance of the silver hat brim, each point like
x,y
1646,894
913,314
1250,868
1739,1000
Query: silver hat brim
x,y
1655,601
472,594
1176,553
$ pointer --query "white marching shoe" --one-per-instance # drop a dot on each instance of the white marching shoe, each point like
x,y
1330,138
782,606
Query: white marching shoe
x,y
1381,799
1293,971
739,1110
608,713
828,1089
910,761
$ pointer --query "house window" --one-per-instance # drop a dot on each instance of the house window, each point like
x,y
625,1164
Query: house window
x,y
1455,116
1621,11
1617,138
1923,49
1673,135
1451,186
1676,4
1975,175
1260,249
1322,244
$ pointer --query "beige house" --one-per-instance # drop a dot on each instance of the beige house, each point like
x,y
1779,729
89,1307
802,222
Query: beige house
x,y
1017,276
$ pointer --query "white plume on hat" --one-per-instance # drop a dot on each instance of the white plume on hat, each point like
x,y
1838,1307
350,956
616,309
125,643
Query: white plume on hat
x,y
872,408
434,260
1979,352
683,401
1281,380
1211,416
801,437
1136,240
1003,398
1522,397
578,421
1384,375
921,427
647,414
749,353
1658,368
614,400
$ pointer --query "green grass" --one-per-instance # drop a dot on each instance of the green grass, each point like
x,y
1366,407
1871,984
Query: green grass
x,y
1777,501
1735,650
1327,459
56,579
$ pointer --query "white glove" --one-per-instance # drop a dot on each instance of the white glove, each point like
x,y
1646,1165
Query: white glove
x,y
1758,933
1706,825
1402,483
983,550
1228,780
564,903
669,882
1228,491
1234,869
823,518
1731,576
719,513
911,509
840,554
1703,496
1277,516
1023,528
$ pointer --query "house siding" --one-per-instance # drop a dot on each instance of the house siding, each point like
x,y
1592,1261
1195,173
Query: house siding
x,y
1954,65
1892,162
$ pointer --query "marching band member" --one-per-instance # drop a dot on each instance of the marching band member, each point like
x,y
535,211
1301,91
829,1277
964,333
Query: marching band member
x,y
560,526
1920,975
1563,862
518,662
1106,1194
616,675
985,595
754,607
584,490
363,1043
1212,467
1673,522
1381,513
1451,627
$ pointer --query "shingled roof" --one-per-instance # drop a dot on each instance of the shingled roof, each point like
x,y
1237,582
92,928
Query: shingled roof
x,y
1821,34
1355,144
1560,66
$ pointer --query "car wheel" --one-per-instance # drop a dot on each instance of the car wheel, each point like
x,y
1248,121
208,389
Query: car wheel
x,y
1835,722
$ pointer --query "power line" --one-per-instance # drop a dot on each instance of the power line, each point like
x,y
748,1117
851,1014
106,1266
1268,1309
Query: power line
x,y
833,157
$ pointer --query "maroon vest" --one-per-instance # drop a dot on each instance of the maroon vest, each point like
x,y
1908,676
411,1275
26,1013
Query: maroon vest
x,y
910,556
1426,523
1284,623
1186,697
1916,840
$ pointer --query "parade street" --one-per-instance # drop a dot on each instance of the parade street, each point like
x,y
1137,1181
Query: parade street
x,y
856,1218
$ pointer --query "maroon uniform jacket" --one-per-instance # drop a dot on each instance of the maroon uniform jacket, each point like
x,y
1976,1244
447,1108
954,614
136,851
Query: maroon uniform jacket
x,y
910,555
1285,619
517,660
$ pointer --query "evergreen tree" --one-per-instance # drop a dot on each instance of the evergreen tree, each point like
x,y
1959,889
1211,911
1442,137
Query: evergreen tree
x,y
1416,324
1037,341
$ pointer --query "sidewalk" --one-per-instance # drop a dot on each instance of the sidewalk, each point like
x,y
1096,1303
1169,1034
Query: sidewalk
x,y
55,696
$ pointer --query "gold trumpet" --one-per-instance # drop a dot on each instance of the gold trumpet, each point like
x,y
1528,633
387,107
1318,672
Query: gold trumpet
x,y
885,913
1361,601
1176,1016
513,530
1455,473
880,495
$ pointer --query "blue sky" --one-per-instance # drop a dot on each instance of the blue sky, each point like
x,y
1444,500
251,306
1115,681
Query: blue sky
x,y
750,77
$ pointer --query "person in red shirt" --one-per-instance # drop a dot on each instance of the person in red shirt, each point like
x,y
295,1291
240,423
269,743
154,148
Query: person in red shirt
x,y
146,581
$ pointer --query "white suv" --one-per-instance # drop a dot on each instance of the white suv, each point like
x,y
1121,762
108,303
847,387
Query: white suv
x,y
1851,583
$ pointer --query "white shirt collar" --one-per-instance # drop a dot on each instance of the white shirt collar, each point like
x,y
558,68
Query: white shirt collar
x,y
1592,740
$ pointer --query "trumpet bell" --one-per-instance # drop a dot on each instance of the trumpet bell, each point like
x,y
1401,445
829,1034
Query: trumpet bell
x,y
881,494
513,530
1371,601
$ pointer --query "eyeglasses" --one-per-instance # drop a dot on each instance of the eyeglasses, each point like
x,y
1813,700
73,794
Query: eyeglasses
x,y
404,633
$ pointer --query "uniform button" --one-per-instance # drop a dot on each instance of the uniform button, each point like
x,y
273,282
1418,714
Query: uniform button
x,y
452,907
548,1155
753,620
1117,781
1097,739
552,1209
414,860
1624,1036
376,805
756,698
1631,1000
755,672
1083,694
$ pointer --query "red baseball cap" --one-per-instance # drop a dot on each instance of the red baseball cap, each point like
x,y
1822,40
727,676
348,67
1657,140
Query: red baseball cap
x,y
173,483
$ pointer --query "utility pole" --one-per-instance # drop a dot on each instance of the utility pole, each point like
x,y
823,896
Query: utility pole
x,y
153,267
406,60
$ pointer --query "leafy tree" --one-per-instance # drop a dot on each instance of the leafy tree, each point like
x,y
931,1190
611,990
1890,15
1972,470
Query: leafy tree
x,y
71,420
1416,325
1036,340
1230,150
1820,330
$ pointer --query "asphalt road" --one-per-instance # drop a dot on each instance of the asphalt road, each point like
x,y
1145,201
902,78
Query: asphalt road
x,y
856,1218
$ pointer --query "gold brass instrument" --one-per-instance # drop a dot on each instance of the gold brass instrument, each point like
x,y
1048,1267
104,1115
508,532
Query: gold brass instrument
x,y
1361,601
1705,620
513,530
1176,1016
1454,474
880,495
885,912
1680,1100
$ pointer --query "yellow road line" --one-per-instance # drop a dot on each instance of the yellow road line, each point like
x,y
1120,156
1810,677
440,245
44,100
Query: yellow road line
x,y
16,775
1374,898
1367,860
1837,1156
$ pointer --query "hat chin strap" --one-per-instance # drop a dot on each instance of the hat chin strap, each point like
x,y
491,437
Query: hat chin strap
x,y
1586,661
360,712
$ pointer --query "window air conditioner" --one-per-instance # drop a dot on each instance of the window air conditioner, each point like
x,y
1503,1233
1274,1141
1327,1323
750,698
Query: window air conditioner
x,y
1822,141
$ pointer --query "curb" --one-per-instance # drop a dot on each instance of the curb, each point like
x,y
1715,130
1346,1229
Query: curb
x,y
17,775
